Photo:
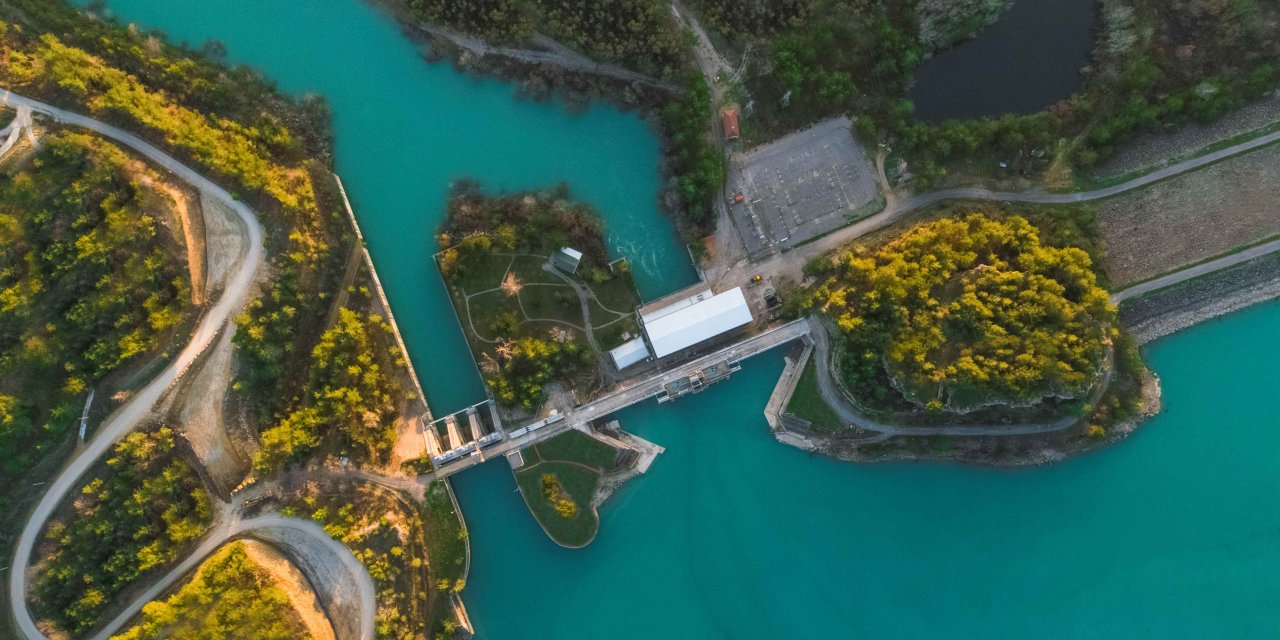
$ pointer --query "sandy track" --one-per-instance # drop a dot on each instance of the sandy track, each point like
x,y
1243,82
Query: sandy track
x,y
129,415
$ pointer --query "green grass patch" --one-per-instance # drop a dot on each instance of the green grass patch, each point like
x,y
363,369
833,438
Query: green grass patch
x,y
617,294
580,485
575,446
576,461
446,539
551,302
808,404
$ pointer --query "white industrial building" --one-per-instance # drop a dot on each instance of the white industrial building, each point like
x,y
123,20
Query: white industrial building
x,y
695,315
629,353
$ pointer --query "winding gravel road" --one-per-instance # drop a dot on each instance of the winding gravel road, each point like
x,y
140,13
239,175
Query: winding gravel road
x,y
302,541
137,408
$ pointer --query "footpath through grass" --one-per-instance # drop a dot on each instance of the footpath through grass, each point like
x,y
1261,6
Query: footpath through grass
x,y
559,480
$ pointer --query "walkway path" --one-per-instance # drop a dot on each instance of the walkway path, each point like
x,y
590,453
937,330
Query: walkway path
x,y
1195,271
791,263
560,56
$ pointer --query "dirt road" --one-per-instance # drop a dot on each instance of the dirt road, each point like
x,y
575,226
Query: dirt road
x,y
128,416
848,413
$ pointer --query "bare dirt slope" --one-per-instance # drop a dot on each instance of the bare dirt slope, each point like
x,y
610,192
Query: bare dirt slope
x,y
295,586
200,401
223,238
1193,217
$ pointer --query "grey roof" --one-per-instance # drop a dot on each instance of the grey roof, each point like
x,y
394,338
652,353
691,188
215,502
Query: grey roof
x,y
690,324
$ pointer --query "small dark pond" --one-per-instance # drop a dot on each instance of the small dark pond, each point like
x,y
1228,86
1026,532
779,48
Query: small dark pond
x,y
1029,59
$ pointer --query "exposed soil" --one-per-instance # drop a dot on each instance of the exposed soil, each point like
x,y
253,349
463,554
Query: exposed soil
x,y
294,585
1190,218
223,241
181,208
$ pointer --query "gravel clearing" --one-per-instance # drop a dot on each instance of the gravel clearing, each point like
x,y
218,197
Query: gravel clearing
x,y
1188,219
1155,150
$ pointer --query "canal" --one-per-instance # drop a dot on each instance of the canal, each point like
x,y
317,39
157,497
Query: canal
x,y
1172,533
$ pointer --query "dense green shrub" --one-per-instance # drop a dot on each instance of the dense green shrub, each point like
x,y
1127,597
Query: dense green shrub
x,y
135,516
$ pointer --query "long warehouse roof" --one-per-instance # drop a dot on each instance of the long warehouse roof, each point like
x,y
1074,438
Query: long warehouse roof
x,y
691,324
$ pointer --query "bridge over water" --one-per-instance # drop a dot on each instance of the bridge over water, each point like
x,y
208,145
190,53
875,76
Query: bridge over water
x,y
672,382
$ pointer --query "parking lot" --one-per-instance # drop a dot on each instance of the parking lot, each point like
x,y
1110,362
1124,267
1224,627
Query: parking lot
x,y
800,187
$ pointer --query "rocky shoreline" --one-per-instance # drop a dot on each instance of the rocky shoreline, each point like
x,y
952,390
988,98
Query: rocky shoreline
x,y
1164,312
988,451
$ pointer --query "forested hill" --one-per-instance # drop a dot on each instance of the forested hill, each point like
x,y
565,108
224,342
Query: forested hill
x,y
640,34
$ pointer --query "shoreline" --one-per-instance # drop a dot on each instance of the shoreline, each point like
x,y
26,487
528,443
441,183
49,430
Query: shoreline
x,y
459,607
999,450
985,451
1167,311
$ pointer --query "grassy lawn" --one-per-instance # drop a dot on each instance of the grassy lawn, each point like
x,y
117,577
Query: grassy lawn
x,y
485,308
611,336
552,302
575,446
577,462
446,539
807,403
618,293
6,116
580,484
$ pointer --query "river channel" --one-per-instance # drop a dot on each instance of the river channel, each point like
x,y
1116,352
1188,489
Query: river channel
x,y
1173,533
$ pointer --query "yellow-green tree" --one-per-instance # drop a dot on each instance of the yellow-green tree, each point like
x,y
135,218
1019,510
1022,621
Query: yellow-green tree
x,y
964,313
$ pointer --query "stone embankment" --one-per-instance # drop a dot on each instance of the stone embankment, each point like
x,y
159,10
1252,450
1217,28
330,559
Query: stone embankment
x,y
1169,310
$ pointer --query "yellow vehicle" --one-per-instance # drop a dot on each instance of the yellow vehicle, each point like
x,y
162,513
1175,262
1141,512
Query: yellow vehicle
x,y
757,279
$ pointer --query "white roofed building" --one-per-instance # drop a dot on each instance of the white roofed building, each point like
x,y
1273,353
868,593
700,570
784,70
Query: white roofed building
x,y
629,353
693,319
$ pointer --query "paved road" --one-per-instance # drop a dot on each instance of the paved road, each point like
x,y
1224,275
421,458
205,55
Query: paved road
x,y
139,406
790,264
626,396
13,131
1195,271
848,413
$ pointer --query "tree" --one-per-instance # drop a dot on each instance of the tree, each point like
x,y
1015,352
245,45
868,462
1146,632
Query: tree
x,y
959,314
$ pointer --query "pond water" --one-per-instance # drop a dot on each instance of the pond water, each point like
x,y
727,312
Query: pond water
x,y
1029,59
1173,533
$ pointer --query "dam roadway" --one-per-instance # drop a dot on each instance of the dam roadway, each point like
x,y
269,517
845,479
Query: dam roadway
x,y
627,394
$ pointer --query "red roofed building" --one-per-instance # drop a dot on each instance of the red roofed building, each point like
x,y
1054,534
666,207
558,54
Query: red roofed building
x,y
730,116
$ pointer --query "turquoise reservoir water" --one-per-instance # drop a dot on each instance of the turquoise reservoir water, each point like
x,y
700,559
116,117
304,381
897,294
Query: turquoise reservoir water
x,y
1172,534
406,129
